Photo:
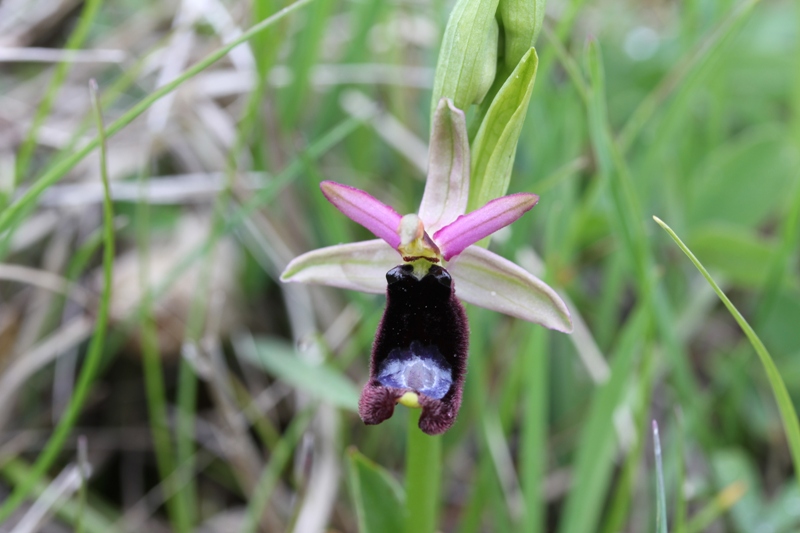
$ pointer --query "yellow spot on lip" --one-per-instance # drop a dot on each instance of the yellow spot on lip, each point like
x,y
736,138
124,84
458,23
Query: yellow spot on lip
x,y
410,399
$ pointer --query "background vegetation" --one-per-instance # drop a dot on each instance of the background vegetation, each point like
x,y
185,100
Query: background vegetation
x,y
219,400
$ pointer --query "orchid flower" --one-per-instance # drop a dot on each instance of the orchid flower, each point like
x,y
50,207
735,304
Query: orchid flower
x,y
419,357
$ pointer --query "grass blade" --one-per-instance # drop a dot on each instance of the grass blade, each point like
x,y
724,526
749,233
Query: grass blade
x,y
94,357
76,40
785,406
689,67
533,438
271,474
661,497
57,171
594,459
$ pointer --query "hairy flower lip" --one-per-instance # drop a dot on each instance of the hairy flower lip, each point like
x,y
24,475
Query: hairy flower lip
x,y
378,402
423,320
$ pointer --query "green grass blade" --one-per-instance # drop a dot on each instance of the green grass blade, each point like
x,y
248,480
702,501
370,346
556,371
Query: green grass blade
x,y
56,172
689,67
785,406
622,498
94,356
679,517
533,438
595,454
75,41
781,259
17,472
307,48
271,473
156,394
628,220
661,493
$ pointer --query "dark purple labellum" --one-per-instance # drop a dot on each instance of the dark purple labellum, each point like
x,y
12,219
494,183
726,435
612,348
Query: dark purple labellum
x,y
421,346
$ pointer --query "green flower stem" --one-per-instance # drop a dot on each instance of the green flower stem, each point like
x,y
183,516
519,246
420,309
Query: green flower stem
x,y
423,477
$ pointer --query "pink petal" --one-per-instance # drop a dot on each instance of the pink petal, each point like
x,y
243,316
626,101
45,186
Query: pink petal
x,y
447,185
469,229
485,279
359,266
365,209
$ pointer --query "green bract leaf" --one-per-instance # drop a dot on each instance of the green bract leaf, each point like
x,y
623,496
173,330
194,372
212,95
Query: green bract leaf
x,y
521,20
496,142
377,496
468,57
320,380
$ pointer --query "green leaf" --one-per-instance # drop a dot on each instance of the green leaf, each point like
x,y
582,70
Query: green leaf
x,y
753,512
733,466
740,255
738,181
377,496
495,144
321,380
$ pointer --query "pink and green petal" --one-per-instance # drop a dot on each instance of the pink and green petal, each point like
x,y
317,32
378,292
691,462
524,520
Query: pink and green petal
x,y
357,205
358,266
469,229
487,280
447,185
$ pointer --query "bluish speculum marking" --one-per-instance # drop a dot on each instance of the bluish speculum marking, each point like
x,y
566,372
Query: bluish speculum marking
x,y
420,368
